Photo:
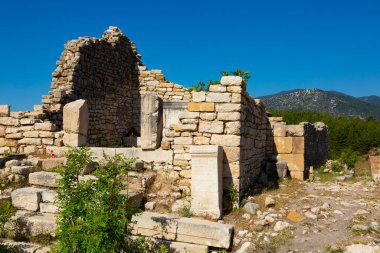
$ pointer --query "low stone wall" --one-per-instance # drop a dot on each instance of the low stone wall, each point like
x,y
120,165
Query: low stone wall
x,y
301,146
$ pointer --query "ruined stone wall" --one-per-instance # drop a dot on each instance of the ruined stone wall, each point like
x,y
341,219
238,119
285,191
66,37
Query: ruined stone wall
x,y
255,131
104,72
301,146
316,144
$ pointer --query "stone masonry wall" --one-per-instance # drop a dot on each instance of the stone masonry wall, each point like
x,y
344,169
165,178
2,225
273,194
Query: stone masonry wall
x,y
226,116
301,146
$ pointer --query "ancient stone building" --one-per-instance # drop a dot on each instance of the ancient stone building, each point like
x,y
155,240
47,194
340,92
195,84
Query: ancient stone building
x,y
103,96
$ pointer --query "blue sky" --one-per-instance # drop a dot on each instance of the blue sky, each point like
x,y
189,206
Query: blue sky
x,y
331,45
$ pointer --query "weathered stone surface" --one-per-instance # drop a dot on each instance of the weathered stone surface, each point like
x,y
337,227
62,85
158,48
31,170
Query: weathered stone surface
x,y
279,130
226,140
45,126
375,167
218,97
201,107
21,170
75,117
211,126
206,180
151,121
48,208
283,145
282,169
28,198
8,121
5,110
199,96
295,162
231,80
30,141
295,130
228,107
49,196
37,223
187,230
51,163
229,116
247,247
298,145
44,178
2,131
295,216
74,140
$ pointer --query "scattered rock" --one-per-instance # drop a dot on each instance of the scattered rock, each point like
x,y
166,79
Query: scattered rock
x,y
281,225
295,216
251,208
361,212
310,215
360,228
149,206
360,248
247,247
338,212
374,226
269,201
246,216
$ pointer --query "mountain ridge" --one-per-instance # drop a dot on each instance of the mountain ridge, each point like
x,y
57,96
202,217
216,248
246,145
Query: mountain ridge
x,y
332,102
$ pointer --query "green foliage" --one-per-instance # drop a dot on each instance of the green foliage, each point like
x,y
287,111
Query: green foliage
x,y
345,134
232,194
238,72
94,215
8,153
4,183
6,212
349,157
201,86
185,211
4,248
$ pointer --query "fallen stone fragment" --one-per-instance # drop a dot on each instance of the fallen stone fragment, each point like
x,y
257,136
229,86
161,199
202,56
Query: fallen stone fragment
x,y
44,178
269,201
360,228
360,248
281,225
28,198
247,247
361,212
295,216
251,208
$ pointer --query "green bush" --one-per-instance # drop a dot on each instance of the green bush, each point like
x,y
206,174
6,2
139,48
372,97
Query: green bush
x,y
6,212
345,134
95,217
9,249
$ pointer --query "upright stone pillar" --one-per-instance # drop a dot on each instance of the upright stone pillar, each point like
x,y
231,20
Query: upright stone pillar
x,y
75,123
151,121
206,180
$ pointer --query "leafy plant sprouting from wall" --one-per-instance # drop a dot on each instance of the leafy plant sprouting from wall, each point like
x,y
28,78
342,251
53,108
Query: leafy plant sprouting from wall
x,y
201,86
238,72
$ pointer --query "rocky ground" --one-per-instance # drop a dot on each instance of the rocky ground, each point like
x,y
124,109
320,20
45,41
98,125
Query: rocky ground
x,y
331,214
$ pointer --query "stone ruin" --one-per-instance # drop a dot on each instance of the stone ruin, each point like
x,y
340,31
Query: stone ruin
x,y
196,143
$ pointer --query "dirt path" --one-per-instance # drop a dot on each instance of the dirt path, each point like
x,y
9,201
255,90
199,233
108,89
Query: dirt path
x,y
334,215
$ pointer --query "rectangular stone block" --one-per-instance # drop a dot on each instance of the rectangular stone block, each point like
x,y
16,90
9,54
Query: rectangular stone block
x,y
28,198
229,116
296,162
232,80
375,167
75,117
206,181
199,96
2,131
279,130
151,121
188,230
228,107
298,145
45,126
8,121
30,141
211,126
44,178
283,145
74,140
201,107
295,130
5,110
218,97
226,140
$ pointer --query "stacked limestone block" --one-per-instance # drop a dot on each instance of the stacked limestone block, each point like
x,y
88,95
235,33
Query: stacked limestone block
x,y
217,118
301,146
104,72
26,132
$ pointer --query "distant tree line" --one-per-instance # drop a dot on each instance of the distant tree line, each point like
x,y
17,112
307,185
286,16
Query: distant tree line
x,y
346,135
